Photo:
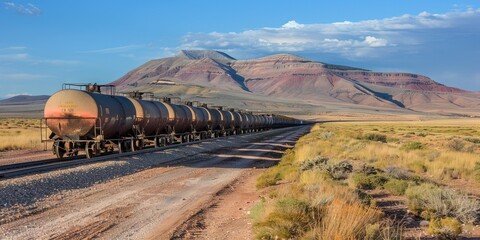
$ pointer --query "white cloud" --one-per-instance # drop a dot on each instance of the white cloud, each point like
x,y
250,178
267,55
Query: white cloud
x,y
353,40
14,57
22,76
13,48
375,42
120,49
293,25
28,9
26,58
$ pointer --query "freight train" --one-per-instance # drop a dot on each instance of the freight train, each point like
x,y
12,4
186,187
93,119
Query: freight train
x,y
83,119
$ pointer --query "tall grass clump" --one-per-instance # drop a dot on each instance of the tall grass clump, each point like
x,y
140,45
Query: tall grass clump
x,y
290,218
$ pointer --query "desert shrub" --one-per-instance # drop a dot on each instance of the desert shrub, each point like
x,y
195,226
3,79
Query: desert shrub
x,y
368,170
268,178
340,170
422,134
365,198
317,162
451,173
375,137
387,229
290,218
430,201
396,186
470,148
473,140
372,231
415,195
397,172
335,171
455,144
445,228
363,181
412,146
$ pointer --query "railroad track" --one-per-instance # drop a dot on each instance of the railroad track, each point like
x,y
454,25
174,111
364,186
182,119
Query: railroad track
x,y
40,166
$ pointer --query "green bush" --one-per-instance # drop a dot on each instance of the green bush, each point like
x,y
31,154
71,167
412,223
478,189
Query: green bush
x,y
366,182
396,186
412,146
445,228
473,140
257,211
268,179
375,137
372,232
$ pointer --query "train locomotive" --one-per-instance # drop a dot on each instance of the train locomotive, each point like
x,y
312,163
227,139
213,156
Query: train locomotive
x,y
82,118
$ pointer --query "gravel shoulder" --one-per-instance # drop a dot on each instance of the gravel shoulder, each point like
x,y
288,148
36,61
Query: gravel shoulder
x,y
145,196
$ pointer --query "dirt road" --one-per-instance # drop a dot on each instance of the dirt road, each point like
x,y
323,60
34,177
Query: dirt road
x,y
153,203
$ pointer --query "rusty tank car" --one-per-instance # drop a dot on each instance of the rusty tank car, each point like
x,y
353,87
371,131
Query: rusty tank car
x,y
82,118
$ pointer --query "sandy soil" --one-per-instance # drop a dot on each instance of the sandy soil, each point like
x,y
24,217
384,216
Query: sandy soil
x,y
227,217
154,203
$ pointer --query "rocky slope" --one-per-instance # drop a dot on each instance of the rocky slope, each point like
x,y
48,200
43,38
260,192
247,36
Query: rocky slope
x,y
286,76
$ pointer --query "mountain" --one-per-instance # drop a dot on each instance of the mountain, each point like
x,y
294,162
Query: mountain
x,y
290,77
23,106
24,99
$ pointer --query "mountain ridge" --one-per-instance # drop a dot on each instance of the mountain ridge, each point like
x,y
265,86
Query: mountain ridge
x,y
288,76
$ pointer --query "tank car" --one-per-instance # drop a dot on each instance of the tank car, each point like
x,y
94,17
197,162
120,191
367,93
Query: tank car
x,y
87,120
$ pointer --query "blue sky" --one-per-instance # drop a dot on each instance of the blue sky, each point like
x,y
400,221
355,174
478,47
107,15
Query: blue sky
x,y
46,43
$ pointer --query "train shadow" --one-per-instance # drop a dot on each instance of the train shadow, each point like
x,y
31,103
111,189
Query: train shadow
x,y
257,154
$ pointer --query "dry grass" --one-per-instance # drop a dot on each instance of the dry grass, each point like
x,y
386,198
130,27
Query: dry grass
x,y
308,202
20,134
405,153
441,149
345,220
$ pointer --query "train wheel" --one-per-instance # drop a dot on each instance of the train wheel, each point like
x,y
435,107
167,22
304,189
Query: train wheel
x,y
90,149
59,149
126,146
